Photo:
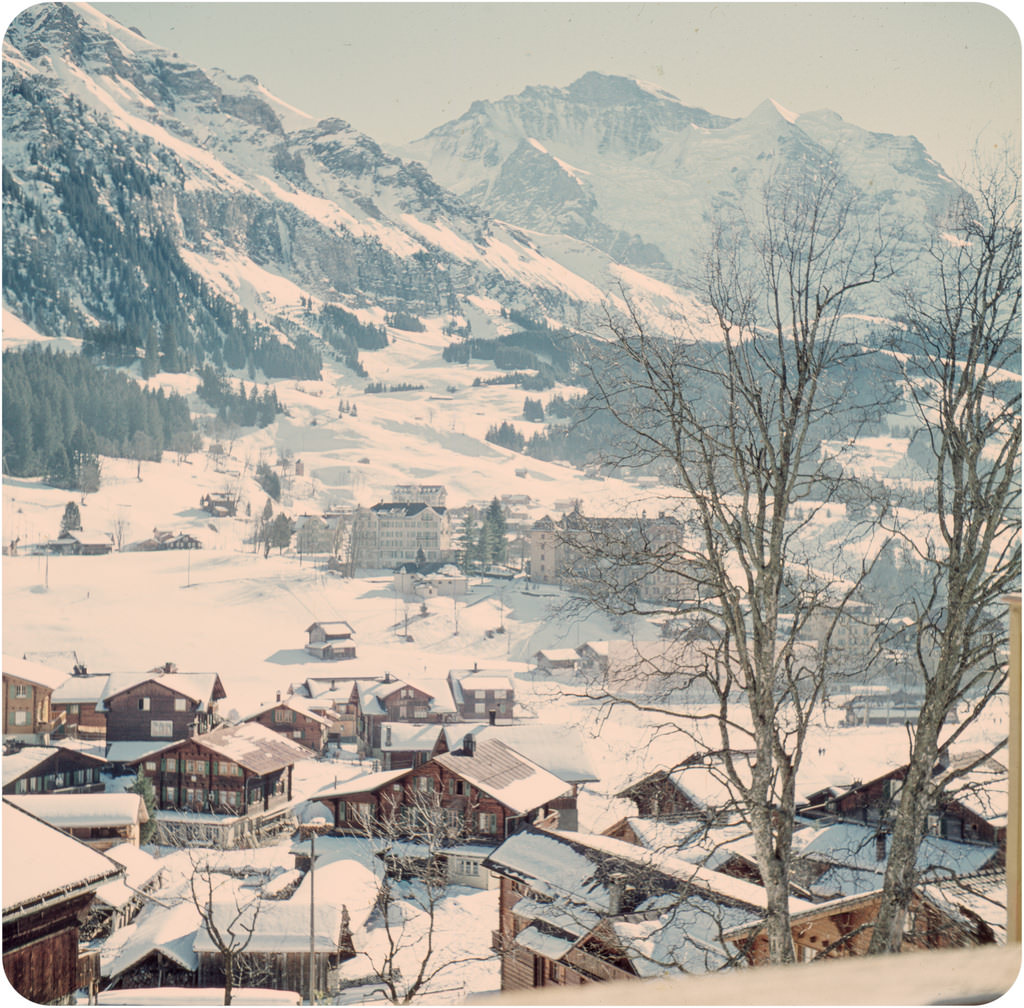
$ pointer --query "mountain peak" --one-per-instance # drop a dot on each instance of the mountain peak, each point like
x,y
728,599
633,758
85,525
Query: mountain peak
x,y
600,89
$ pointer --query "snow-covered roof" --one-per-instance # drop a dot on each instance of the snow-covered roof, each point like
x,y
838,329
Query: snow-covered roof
x,y
292,702
579,881
131,752
559,655
80,689
558,748
19,763
971,899
851,845
70,811
518,783
201,687
282,926
33,672
397,736
140,869
358,785
333,628
560,862
169,930
40,861
253,746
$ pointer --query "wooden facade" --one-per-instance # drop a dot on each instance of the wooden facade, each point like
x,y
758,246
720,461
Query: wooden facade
x,y
156,710
27,712
56,771
470,810
49,882
307,729
40,957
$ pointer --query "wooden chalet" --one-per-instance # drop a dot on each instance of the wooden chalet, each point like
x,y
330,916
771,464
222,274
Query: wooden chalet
x,y
331,640
478,692
75,705
576,909
160,705
219,504
485,789
975,811
556,660
294,717
392,700
954,912
49,882
279,950
78,543
100,821
242,772
696,787
28,690
165,540
51,770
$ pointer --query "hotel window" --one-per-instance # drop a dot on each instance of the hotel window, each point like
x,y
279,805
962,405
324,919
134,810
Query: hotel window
x,y
180,704
161,729
143,703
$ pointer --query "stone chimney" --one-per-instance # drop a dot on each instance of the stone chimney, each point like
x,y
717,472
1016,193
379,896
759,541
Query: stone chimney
x,y
278,696
469,744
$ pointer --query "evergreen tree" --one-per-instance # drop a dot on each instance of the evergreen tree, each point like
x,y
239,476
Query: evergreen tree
x,y
467,548
72,518
494,522
143,786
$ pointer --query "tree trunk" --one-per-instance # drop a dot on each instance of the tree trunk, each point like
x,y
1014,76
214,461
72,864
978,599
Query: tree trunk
x,y
909,822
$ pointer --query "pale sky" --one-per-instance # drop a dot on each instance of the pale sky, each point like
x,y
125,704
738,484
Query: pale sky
x,y
946,73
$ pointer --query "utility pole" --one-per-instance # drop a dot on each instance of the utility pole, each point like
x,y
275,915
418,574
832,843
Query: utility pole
x,y
312,924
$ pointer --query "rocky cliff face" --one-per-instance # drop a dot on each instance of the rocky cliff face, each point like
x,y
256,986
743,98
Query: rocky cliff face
x,y
142,192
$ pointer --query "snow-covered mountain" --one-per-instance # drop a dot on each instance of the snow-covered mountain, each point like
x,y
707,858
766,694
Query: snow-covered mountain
x,y
142,192
147,198
632,170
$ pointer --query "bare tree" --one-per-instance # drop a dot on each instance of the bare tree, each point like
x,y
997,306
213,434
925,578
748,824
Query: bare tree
x,y
735,416
228,914
964,383
410,839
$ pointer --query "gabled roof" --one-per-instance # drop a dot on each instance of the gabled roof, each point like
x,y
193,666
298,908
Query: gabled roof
x,y
703,785
19,763
853,846
80,689
250,745
202,687
40,861
970,900
518,783
665,915
140,869
332,627
363,784
557,748
33,672
397,736
71,811
167,930
290,702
